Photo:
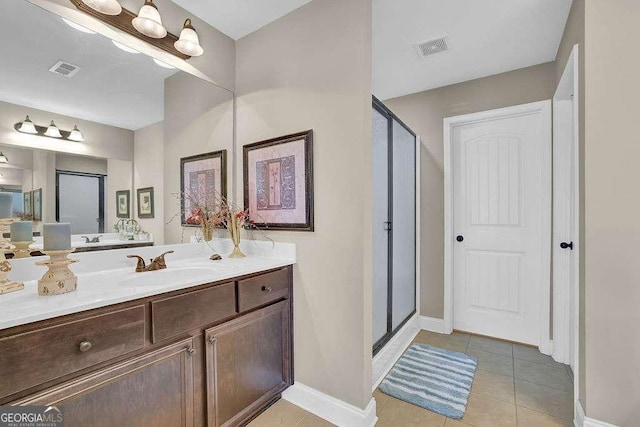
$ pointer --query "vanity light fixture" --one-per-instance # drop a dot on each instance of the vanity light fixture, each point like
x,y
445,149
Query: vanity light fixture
x,y
76,135
188,43
77,26
27,126
53,131
3,158
106,7
148,21
124,47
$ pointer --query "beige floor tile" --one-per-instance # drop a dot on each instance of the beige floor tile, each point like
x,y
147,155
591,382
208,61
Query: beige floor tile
x,y
484,412
397,413
532,355
456,341
282,413
311,420
455,423
422,337
548,400
381,399
529,418
491,346
493,385
492,362
554,376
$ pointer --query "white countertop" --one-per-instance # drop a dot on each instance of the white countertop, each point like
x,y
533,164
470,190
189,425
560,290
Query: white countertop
x,y
109,277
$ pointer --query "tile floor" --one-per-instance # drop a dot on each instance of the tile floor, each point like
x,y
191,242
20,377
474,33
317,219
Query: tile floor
x,y
514,386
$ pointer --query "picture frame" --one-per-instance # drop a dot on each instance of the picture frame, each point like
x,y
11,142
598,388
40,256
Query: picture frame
x,y
145,203
203,176
27,201
37,204
123,204
278,182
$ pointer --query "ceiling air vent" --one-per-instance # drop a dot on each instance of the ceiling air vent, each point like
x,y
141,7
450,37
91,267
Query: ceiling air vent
x,y
432,46
64,69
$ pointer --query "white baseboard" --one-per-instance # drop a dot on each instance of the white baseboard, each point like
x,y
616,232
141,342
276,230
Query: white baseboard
x,y
391,352
546,347
329,408
432,324
583,421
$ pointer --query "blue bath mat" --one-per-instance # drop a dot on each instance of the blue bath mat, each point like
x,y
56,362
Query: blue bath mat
x,y
432,378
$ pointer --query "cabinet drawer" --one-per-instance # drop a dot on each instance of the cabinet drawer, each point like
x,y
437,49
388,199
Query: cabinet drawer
x,y
263,289
45,354
183,313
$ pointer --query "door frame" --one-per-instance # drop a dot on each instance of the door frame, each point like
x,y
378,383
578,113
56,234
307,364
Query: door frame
x,y
541,107
101,198
564,293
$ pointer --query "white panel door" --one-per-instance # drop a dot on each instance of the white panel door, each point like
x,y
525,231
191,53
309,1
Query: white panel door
x,y
498,192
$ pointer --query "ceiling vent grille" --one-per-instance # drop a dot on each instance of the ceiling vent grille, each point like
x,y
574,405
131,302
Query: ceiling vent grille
x,y
64,69
432,46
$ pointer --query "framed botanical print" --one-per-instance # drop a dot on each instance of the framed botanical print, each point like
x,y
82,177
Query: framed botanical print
x,y
278,182
123,199
37,204
203,179
27,199
145,203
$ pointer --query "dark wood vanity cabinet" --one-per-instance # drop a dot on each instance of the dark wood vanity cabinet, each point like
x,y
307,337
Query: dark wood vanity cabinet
x,y
221,363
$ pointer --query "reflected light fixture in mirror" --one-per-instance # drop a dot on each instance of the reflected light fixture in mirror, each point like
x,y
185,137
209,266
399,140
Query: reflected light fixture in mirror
x,y
76,135
3,158
106,7
163,64
188,43
53,131
124,47
27,126
148,21
78,26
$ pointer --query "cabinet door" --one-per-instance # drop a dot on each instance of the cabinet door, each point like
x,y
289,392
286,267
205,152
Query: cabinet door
x,y
248,364
155,389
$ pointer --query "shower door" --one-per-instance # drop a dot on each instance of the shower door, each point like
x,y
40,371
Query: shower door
x,y
394,224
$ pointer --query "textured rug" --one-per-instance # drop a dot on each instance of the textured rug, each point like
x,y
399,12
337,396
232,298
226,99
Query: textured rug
x,y
433,378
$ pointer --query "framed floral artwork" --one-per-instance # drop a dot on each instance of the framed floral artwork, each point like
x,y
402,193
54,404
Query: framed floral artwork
x,y
203,179
278,182
145,203
123,202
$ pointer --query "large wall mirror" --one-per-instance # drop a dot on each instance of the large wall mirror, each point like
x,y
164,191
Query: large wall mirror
x,y
137,115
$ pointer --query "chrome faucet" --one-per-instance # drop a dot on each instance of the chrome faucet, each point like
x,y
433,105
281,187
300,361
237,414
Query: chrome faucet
x,y
92,240
157,263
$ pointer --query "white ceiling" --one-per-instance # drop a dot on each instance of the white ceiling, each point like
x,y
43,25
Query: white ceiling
x,y
237,18
485,37
113,87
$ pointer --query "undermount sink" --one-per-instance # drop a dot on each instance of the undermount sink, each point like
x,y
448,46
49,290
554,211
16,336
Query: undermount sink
x,y
167,276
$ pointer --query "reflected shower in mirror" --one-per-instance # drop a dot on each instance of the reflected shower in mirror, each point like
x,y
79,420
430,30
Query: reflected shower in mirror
x,y
86,121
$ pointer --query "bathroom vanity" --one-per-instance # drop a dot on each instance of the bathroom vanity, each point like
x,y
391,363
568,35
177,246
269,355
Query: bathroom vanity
x,y
200,343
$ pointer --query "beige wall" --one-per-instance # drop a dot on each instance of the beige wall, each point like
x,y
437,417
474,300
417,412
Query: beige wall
x,y
120,177
198,118
612,209
424,112
311,69
574,34
81,164
148,171
44,176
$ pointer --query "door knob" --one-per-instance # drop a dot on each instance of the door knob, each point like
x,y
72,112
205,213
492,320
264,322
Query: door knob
x,y
460,238
565,245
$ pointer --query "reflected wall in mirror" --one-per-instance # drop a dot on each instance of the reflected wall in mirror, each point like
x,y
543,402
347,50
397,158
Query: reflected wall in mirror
x,y
137,117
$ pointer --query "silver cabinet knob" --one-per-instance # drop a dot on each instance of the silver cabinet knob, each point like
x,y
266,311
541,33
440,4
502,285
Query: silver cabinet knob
x,y
267,289
191,351
212,340
84,346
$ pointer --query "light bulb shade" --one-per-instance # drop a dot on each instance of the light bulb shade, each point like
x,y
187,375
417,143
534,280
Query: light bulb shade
x,y
148,21
53,131
188,43
28,127
76,135
106,7
3,158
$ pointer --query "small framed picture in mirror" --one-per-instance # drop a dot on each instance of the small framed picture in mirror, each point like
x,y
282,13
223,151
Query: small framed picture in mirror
x,y
203,182
145,203
27,200
278,182
123,198
37,204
